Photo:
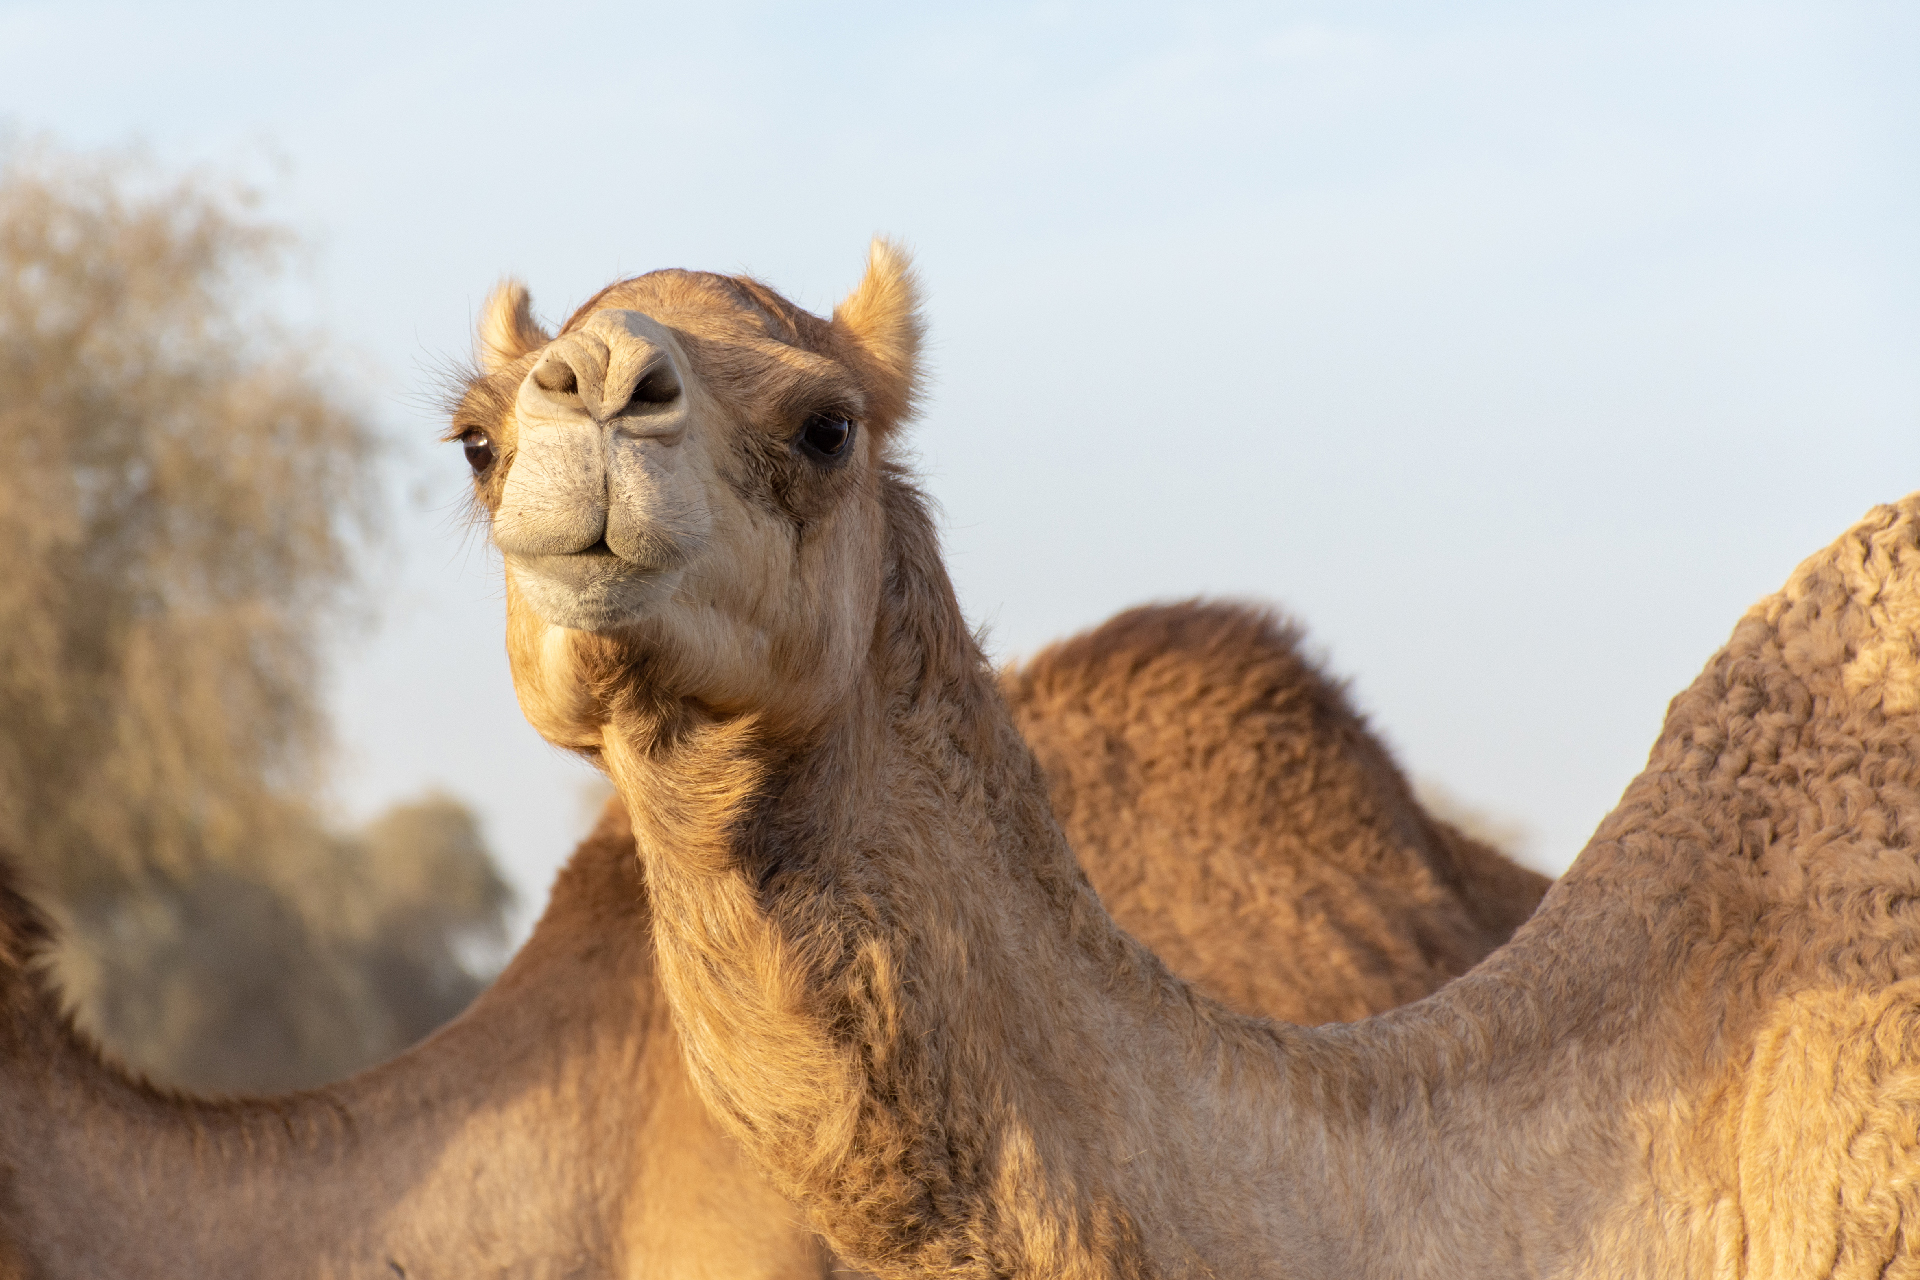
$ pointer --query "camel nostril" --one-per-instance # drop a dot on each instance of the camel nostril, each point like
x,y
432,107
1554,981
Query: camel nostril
x,y
557,376
659,386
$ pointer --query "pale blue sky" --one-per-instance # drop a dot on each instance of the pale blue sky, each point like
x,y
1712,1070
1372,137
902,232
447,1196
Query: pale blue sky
x,y
1514,348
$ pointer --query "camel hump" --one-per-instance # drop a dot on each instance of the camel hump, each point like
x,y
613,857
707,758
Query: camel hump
x,y
1851,608
1209,689
1217,784
1222,653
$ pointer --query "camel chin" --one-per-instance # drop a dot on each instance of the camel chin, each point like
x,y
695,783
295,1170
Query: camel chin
x,y
591,591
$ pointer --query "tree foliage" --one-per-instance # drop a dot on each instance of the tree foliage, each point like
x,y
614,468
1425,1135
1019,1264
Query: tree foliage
x,y
334,953
183,483
178,479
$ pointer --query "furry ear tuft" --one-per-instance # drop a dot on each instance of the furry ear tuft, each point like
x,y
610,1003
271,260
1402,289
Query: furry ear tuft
x,y
882,315
507,327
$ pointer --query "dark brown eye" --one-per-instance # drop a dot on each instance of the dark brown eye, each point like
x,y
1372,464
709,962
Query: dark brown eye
x,y
825,435
479,450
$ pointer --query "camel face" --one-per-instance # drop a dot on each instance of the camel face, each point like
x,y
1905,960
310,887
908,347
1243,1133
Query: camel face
x,y
688,477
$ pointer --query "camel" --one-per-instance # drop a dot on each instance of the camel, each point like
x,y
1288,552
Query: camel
x,y
494,1148
897,990
553,1129
1237,817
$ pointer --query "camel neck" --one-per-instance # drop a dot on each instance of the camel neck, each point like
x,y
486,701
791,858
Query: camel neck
x,y
896,989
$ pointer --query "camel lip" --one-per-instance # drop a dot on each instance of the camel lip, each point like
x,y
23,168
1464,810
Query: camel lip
x,y
596,561
591,591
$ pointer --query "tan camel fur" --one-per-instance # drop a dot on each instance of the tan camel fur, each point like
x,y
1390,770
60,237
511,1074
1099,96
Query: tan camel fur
x,y
895,986
1236,816
495,1148
516,1142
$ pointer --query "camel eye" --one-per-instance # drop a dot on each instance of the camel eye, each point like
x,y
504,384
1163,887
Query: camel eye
x,y
479,450
825,435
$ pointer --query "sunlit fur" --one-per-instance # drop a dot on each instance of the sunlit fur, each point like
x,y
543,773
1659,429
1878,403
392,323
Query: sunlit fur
x,y
896,988
1173,735
507,327
495,1148
769,610
1236,816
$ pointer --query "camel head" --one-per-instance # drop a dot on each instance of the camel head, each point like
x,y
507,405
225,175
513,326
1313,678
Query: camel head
x,y
687,480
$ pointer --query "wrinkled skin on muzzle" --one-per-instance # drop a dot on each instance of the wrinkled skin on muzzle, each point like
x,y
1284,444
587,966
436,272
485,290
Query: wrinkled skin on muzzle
x,y
690,487
604,505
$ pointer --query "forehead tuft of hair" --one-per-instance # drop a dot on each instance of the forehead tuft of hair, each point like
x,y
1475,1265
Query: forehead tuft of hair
x,y
702,302
874,334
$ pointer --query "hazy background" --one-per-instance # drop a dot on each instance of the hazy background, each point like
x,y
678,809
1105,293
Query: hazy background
x,y
1514,348
187,488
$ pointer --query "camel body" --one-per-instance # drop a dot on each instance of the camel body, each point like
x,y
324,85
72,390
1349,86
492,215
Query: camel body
x,y
552,1130
897,990
493,1148
1237,816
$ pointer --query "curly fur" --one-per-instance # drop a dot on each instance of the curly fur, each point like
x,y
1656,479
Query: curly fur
x,y
1700,1057
1164,731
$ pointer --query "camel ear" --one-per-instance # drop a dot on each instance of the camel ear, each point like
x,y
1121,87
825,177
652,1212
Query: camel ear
x,y
507,327
882,315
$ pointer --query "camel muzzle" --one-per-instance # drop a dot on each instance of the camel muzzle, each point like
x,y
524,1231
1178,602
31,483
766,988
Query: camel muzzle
x,y
598,496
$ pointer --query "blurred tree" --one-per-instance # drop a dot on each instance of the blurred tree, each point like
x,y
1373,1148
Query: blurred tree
x,y
301,967
420,906
178,480
182,485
